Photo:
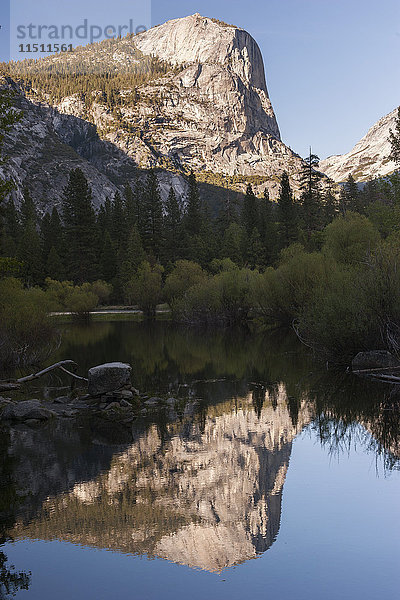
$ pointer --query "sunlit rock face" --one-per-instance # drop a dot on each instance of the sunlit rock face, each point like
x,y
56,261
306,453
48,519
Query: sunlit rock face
x,y
216,113
210,112
369,159
205,492
221,63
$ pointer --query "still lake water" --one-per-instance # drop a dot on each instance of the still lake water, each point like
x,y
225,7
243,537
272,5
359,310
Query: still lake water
x,y
269,478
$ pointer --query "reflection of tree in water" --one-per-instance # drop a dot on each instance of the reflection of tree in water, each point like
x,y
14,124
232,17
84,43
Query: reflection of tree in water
x,y
165,355
162,350
345,402
10,580
258,398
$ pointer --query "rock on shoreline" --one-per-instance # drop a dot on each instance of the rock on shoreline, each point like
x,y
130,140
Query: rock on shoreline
x,y
108,377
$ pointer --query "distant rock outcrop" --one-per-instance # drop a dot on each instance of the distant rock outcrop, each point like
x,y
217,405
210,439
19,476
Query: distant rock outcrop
x,y
369,159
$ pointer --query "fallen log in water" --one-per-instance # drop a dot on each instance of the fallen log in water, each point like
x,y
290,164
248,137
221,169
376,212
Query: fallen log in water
x,y
11,385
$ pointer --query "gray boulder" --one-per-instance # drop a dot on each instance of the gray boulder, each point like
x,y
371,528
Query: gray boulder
x,y
108,378
153,401
375,359
26,410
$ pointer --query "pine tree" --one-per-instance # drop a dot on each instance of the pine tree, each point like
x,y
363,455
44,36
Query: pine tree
x,y
118,230
172,228
207,245
153,216
353,196
108,258
52,235
138,195
227,214
287,213
310,198
250,216
134,256
330,207
371,193
343,204
12,229
193,213
267,229
135,253
29,250
54,265
28,209
254,249
45,233
232,243
394,138
309,176
130,208
80,229
104,218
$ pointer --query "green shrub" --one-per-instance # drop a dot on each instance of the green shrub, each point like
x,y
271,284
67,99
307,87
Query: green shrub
x,y
280,294
222,264
145,288
185,275
9,267
102,290
358,309
26,332
81,300
350,239
223,298
78,299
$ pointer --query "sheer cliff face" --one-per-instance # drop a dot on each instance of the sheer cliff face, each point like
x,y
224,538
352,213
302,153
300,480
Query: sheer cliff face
x,y
215,112
197,39
206,494
369,159
222,64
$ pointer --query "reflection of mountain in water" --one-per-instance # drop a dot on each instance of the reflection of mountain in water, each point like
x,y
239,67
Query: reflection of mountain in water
x,y
205,492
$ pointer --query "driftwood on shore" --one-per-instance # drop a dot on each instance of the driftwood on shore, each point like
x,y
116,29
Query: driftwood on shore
x,y
380,365
62,364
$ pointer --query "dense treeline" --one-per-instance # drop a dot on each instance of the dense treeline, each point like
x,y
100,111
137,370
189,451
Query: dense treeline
x,y
76,243
325,263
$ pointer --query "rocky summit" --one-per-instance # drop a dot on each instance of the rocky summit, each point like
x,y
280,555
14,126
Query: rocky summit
x,y
369,157
187,95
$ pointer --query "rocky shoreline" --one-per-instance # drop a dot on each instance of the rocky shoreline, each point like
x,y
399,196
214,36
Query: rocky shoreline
x,y
110,395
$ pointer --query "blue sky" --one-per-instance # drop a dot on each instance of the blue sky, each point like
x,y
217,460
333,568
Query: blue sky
x,y
332,66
